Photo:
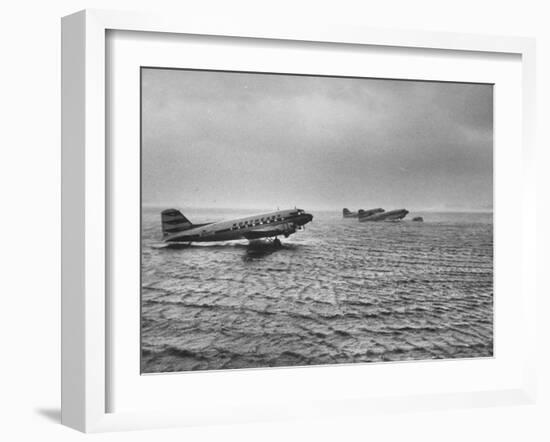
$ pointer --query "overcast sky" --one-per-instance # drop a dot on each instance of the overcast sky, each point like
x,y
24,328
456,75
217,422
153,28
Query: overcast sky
x,y
239,140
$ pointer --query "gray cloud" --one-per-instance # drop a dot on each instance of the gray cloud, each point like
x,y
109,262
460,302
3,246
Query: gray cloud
x,y
259,140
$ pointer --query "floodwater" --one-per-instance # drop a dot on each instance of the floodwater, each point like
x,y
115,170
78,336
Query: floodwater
x,y
339,292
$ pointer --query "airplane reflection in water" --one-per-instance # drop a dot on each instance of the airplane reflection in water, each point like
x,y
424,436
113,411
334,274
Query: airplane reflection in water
x,y
178,230
378,214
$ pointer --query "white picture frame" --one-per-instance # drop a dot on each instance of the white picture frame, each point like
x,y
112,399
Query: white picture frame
x,y
85,209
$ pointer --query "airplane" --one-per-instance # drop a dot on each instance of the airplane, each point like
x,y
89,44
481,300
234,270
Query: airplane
x,y
392,215
178,230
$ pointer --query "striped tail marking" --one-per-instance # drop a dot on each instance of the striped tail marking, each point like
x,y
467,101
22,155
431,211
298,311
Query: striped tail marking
x,y
173,221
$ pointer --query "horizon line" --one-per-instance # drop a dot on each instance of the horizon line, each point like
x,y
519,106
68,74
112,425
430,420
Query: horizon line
x,y
319,209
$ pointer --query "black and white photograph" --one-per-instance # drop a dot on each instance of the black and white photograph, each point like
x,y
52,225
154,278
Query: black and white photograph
x,y
299,220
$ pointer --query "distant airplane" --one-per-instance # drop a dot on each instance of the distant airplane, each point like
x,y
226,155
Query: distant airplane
x,y
177,229
392,215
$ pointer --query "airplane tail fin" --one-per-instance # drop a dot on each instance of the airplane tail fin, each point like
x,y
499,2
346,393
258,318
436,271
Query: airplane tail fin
x,y
173,221
346,211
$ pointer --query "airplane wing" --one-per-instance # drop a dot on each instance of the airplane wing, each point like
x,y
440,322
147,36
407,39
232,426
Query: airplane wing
x,y
267,231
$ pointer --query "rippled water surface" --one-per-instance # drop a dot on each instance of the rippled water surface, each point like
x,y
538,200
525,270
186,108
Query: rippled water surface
x,y
339,292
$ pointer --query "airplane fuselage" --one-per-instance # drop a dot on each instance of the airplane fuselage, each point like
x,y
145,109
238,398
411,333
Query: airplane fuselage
x,y
265,225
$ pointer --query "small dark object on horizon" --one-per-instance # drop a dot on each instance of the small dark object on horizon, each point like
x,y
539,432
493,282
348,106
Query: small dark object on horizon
x,y
418,219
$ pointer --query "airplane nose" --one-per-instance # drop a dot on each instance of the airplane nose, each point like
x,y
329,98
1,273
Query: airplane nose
x,y
303,219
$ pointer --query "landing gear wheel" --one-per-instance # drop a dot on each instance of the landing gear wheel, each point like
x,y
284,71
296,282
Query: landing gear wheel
x,y
277,242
